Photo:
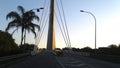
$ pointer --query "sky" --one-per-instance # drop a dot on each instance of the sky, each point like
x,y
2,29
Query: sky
x,y
80,25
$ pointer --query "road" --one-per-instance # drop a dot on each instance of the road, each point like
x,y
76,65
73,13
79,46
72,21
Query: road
x,y
75,61
47,59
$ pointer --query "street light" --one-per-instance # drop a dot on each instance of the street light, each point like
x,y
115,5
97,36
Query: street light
x,y
95,24
38,9
35,50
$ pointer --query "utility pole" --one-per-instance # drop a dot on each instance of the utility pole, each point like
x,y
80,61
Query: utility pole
x,y
51,30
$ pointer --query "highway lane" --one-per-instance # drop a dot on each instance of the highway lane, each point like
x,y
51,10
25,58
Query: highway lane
x,y
45,59
78,60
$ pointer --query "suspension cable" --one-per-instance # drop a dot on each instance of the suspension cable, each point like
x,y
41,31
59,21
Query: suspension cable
x,y
44,21
40,24
65,34
44,24
65,23
61,29
42,31
42,13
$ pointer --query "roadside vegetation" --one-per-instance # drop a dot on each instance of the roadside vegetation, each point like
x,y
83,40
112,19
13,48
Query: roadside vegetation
x,y
7,44
23,20
110,53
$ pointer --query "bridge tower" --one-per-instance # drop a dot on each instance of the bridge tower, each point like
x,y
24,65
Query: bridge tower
x,y
51,29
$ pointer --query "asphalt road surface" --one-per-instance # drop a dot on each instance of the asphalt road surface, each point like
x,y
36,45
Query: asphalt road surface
x,y
72,59
48,59
45,59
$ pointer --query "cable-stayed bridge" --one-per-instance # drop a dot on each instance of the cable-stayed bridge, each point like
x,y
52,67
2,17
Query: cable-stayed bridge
x,y
53,13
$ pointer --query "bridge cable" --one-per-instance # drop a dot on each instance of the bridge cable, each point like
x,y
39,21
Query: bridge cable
x,y
65,24
43,25
61,29
65,35
41,17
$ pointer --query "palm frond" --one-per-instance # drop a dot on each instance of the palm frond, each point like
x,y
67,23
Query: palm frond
x,y
30,16
33,31
36,26
33,26
28,28
13,15
12,24
14,30
34,17
21,9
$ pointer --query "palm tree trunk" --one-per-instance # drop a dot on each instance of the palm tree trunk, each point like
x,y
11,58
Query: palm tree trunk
x,y
22,37
25,37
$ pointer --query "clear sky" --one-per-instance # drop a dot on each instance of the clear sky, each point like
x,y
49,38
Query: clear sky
x,y
80,25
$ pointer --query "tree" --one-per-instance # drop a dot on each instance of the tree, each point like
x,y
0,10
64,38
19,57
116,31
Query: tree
x,y
112,46
7,44
27,47
24,20
86,49
119,46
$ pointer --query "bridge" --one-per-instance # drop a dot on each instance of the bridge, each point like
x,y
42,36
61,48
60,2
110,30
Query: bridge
x,y
48,58
53,13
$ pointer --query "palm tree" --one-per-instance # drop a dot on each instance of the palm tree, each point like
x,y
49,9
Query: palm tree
x,y
24,20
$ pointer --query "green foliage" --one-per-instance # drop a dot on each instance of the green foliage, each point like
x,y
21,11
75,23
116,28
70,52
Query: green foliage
x,y
86,49
75,49
119,46
7,44
66,48
112,46
27,47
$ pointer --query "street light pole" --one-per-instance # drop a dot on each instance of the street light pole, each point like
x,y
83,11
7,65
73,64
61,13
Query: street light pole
x,y
35,49
38,9
95,25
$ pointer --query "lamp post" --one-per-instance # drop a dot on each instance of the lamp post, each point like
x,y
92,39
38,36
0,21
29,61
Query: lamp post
x,y
38,9
95,24
35,49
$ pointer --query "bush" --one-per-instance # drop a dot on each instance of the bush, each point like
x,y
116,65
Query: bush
x,y
27,47
86,49
7,44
